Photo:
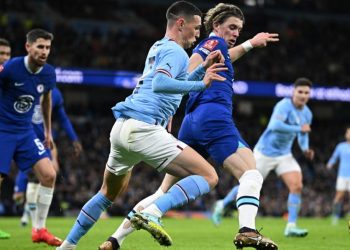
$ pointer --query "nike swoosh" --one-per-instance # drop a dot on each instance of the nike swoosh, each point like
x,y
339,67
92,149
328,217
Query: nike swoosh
x,y
255,238
17,84
41,152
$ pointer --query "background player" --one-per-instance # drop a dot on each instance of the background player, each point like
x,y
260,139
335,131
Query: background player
x,y
23,80
291,118
341,153
211,111
60,115
139,132
5,54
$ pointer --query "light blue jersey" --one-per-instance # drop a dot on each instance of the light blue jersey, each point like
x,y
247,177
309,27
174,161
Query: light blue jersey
x,y
342,153
150,102
284,126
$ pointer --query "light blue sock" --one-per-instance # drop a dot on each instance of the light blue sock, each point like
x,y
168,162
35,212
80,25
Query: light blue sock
x,y
294,201
88,215
231,196
182,192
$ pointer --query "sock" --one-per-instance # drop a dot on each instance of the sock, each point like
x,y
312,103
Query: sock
x,y
45,195
181,193
88,215
31,201
337,209
125,228
248,198
231,196
294,201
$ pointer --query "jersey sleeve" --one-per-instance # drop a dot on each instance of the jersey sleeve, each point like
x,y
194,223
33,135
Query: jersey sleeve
x,y
278,118
334,156
50,79
207,46
172,62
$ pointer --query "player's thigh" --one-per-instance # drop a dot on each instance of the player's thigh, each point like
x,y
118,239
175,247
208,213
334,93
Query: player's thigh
x,y
121,159
7,150
264,164
189,162
287,164
240,161
30,151
343,184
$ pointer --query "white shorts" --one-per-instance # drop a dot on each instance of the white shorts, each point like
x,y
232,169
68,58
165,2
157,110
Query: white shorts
x,y
343,184
280,164
133,141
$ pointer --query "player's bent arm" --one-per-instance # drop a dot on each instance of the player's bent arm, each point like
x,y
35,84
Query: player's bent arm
x,y
65,123
195,61
281,126
333,158
162,83
303,141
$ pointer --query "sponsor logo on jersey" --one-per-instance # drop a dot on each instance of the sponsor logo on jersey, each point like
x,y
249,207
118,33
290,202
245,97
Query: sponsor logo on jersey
x,y
23,103
37,117
210,44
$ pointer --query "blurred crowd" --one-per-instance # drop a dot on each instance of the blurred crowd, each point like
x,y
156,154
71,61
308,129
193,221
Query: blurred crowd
x,y
311,45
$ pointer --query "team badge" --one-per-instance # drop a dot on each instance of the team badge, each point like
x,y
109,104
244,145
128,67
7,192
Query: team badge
x,y
40,88
210,44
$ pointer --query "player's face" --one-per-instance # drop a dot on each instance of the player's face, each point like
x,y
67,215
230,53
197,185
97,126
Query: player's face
x,y
229,30
5,53
301,95
347,135
191,31
39,51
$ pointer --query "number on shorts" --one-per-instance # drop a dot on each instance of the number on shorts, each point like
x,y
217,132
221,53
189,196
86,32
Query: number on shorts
x,y
39,144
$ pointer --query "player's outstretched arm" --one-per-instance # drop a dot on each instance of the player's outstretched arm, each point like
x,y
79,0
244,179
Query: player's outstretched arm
x,y
260,40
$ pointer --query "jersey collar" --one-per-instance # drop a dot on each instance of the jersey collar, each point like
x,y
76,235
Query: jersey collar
x,y
26,64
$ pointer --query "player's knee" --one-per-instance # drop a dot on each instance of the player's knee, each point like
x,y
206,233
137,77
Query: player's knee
x,y
48,178
212,179
296,187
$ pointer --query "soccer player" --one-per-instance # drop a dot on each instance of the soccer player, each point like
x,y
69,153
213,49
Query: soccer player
x,y
23,80
208,126
21,186
291,118
341,153
5,54
139,132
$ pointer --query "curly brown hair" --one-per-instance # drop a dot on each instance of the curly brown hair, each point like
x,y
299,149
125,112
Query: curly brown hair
x,y
220,13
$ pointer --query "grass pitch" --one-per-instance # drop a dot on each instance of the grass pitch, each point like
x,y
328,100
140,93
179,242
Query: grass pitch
x,y
187,234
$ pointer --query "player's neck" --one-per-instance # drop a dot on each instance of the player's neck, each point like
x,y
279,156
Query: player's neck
x,y
31,66
297,106
173,35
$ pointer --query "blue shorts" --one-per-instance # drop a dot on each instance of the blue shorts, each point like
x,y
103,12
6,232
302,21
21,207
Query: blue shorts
x,y
24,148
214,136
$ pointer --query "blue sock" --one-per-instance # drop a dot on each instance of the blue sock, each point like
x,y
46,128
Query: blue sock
x,y
182,192
88,215
231,196
294,202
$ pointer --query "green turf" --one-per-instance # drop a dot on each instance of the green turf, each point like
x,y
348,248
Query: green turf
x,y
187,234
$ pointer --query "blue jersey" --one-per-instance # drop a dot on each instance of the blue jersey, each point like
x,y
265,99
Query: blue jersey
x,y
219,92
342,153
208,126
284,126
58,113
166,57
21,90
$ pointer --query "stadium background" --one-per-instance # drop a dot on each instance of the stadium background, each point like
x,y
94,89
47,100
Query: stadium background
x,y
116,35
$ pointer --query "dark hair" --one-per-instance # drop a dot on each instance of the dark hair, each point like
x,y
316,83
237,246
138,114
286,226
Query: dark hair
x,y
4,42
220,13
182,8
303,81
34,34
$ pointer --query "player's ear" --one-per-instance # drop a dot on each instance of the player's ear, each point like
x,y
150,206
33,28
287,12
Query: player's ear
x,y
27,45
180,23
